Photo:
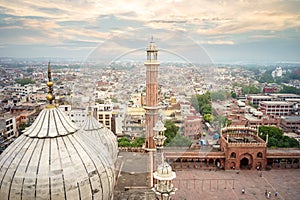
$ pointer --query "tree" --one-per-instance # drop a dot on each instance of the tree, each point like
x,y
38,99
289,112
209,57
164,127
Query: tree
x,y
170,132
290,89
29,70
266,78
272,142
180,141
251,89
208,117
221,121
202,103
124,142
24,81
206,109
276,137
195,103
219,95
233,95
271,131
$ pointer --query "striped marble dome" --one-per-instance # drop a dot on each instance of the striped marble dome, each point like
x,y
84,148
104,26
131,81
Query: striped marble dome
x,y
100,134
53,160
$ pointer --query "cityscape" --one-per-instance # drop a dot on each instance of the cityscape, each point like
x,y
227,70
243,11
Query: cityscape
x,y
152,104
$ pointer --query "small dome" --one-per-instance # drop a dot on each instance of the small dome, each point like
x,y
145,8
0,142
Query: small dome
x,y
152,46
99,134
52,160
164,172
159,126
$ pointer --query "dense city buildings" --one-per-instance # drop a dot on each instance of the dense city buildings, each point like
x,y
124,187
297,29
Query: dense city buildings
x,y
128,103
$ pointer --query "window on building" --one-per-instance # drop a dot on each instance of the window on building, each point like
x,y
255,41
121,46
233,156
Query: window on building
x,y
106,116
100,116
107,123
259,155
233,155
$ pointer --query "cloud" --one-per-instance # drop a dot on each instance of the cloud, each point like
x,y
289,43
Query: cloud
x,y
228,42
226,22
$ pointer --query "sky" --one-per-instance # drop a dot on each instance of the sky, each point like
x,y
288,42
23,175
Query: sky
x,y
229,31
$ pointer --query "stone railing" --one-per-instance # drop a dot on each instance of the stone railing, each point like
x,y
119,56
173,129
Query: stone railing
x,y
243,144
132,149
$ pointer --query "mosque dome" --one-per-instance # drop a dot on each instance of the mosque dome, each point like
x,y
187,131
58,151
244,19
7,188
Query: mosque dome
x,y
100,134
164,172
53,160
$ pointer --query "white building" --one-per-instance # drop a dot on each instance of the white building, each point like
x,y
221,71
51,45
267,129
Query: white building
x,y
77,115
8,131
277,72
103,112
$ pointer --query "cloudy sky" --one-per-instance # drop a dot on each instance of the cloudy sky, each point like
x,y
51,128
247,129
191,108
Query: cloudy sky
x,y
225,31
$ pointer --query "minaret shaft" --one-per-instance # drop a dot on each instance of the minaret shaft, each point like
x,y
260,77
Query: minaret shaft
x,y
151,93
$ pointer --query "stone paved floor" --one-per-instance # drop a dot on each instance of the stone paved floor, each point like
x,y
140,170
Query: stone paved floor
x,y
220,184
204,184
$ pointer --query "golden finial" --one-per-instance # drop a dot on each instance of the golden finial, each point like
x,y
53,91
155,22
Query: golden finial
x,y
90,107
50,97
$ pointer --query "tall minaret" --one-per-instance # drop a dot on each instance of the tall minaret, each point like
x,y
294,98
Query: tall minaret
x,y
151,106
151,93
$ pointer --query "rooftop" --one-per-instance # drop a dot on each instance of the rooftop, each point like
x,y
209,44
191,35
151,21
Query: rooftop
x,y
278,103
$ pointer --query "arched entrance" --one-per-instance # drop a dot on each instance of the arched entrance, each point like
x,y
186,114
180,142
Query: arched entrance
x,y
246,161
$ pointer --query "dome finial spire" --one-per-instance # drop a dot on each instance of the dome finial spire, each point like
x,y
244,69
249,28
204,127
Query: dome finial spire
x,y
90,107
50,97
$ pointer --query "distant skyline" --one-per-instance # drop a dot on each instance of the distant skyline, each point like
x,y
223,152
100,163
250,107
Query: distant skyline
x,y
229,31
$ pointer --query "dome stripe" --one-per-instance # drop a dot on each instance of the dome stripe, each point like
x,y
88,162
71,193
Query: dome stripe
x,y
100,179
102,159
13,156
83,163
72,163
37,169
27,151
61,167
105,163
10,150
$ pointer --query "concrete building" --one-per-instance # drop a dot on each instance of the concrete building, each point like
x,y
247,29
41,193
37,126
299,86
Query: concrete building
x,y
104,113
284,96
192,126
290,123
277,108
8,131
255,99
134,122
77,115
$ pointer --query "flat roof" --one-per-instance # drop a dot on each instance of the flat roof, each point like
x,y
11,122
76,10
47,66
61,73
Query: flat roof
x,y
285,95
259,96
277,103
291,118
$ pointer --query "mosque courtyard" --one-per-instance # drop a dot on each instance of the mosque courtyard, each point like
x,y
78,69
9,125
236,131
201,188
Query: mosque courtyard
x,y
195,184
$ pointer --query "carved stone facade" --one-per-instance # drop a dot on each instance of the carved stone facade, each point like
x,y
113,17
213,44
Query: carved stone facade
x,y
243,148
240,149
